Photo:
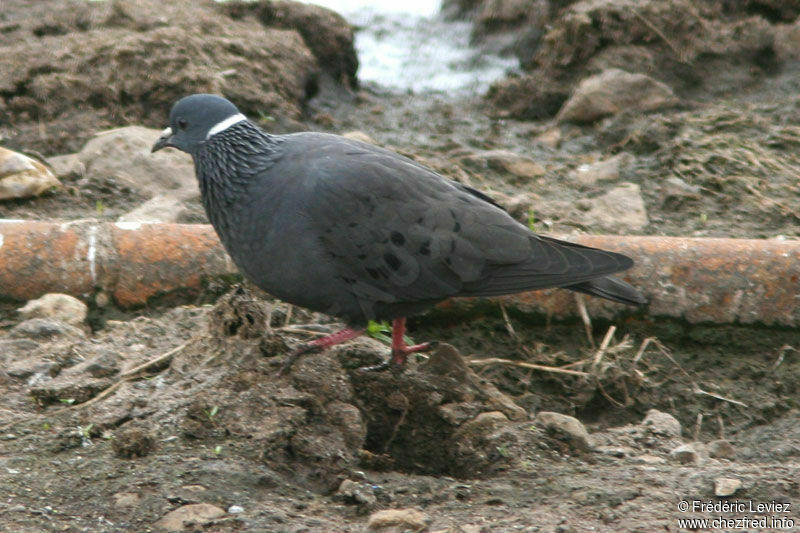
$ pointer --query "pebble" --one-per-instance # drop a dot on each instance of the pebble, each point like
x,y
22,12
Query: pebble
x,y
357,135
354,492
726,486
662,423
566,426
521,166
44,328
235,509
57,306
192,515
612,91
126,499
605,170
620,210
721,449
687,453
22,176
396,520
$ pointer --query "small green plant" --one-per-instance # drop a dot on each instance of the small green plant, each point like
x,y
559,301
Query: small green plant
x,y
531,220
99,206
86,432
217,449
383,332
211,413
68,401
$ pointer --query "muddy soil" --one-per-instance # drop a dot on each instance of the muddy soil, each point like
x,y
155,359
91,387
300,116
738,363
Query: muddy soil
x,y
145,412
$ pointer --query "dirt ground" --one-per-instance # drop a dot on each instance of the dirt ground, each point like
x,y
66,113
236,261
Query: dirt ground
x,y
113,426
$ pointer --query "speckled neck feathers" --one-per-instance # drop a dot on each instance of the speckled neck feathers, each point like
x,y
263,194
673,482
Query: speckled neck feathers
x,y
228,162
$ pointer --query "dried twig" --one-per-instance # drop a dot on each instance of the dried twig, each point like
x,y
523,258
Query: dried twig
x,y
697,426
130,375
522,364
660,33
598,355
587,322
509,326
782,351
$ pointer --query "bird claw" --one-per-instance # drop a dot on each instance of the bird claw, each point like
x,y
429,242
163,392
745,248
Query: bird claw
x,y
397,361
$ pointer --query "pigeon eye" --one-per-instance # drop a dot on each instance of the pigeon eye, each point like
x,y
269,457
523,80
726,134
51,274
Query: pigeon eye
x,y
182,123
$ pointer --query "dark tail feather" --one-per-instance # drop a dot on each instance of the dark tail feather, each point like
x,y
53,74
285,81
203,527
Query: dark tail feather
x,y
610,288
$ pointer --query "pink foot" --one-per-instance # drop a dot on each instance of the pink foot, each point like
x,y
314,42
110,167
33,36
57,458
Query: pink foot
x,y
320,344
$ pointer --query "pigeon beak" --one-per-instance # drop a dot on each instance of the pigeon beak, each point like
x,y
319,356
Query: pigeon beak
x,y
163,141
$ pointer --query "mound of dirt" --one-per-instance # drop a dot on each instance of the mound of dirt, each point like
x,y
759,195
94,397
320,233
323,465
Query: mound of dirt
x,y
69,69
710,47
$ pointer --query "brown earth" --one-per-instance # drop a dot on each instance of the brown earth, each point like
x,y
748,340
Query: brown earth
x,y
92,441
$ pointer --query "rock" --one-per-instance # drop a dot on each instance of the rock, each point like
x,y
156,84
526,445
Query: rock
x,y
506,161
44,328
518,206
605,170
566,427
675,191
648,459
126,499
397,520
161,208
619,210
29,368
692,453
483,424
357,135
56,306
726,486
615,90
355,492
527,97
67,166
662,423
183,518
550,137
235,509
23,177
721,449
124,156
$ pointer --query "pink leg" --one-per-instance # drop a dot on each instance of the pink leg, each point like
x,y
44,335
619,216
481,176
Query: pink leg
x,y
399,348
321,343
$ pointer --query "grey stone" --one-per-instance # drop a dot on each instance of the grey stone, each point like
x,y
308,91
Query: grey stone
x,y
662,423
44,328
568,427
726,486
22,176
57,306
620,210
612,91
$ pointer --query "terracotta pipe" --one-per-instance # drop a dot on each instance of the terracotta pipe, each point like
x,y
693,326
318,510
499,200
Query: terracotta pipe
x,y
130,262
699,280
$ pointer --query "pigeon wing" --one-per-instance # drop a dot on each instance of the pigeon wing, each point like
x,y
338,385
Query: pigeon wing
x,y
399,232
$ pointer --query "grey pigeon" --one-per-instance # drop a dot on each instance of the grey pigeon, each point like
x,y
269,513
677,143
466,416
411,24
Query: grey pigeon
x,y
362,233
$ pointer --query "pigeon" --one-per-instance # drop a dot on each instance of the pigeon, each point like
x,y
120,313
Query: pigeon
x,y
362,233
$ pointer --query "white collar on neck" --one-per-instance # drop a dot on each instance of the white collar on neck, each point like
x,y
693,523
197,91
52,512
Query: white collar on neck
x,y
225,124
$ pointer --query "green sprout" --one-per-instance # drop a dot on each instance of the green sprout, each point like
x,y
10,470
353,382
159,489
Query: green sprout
x,y
531,220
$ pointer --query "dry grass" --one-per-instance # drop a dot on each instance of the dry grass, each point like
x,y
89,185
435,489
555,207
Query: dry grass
x,y
739,153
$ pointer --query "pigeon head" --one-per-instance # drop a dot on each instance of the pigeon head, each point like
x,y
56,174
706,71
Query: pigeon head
x,y
195,119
